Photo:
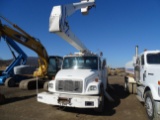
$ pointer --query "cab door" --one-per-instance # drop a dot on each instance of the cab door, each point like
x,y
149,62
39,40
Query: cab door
x,y
142,69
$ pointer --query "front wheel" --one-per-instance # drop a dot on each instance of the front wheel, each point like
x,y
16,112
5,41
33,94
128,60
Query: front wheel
x,y
101,106
150,106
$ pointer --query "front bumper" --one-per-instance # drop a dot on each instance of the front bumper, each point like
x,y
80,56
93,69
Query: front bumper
x,y
78,101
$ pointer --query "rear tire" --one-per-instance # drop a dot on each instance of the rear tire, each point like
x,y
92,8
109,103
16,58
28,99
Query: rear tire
x,y
10,82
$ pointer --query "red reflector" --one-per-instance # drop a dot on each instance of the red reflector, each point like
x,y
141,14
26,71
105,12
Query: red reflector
x,y
158,82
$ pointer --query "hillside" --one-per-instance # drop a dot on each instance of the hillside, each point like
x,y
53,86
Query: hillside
x,y
5,62
33,61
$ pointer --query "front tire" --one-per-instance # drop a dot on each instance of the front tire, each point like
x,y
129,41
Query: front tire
x,y
150,106
101,106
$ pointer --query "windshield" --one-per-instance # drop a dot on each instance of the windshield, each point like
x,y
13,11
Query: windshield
x,y
80,63
153,58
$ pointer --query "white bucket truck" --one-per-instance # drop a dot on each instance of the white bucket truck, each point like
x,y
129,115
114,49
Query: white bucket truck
x,y
82,80
143,79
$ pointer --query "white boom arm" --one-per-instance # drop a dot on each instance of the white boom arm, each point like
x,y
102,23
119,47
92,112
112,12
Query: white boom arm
x,y
59,25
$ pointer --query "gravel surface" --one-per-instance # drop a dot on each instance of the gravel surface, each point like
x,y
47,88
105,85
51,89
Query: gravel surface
x,y
22,105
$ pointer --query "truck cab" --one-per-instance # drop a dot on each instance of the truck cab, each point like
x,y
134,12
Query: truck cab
x,y
80,83
148,67
80,75
145,81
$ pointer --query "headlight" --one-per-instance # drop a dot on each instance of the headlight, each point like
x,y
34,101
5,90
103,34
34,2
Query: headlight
x,y
92,88
50,85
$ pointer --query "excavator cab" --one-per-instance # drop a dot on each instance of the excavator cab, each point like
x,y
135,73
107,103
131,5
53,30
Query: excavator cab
x,y
54,66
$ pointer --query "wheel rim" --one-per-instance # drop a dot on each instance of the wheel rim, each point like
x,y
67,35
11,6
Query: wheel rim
x,y
149,106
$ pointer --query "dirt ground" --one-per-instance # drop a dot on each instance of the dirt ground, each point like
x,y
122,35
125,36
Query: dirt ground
x,y
22,105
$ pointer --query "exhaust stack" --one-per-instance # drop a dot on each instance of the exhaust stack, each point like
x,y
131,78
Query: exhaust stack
x,y
136,54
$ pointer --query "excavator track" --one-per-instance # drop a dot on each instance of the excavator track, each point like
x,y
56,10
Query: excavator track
x,y
10,82
31,83
28,84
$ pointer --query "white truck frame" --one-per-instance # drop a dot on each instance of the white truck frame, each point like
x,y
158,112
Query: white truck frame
x,y
84,84
143,79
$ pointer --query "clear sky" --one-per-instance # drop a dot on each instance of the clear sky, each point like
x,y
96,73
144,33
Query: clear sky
x,y
113,27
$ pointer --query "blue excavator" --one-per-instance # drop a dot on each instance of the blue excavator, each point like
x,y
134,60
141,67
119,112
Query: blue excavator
x,y
20,59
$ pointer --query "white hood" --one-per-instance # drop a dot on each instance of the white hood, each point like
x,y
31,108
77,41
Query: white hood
x,y
75,74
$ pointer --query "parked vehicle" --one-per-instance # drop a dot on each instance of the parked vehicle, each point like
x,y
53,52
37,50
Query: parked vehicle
x,y
143,79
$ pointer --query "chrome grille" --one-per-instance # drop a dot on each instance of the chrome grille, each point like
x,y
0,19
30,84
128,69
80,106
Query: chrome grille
x,y
69,86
